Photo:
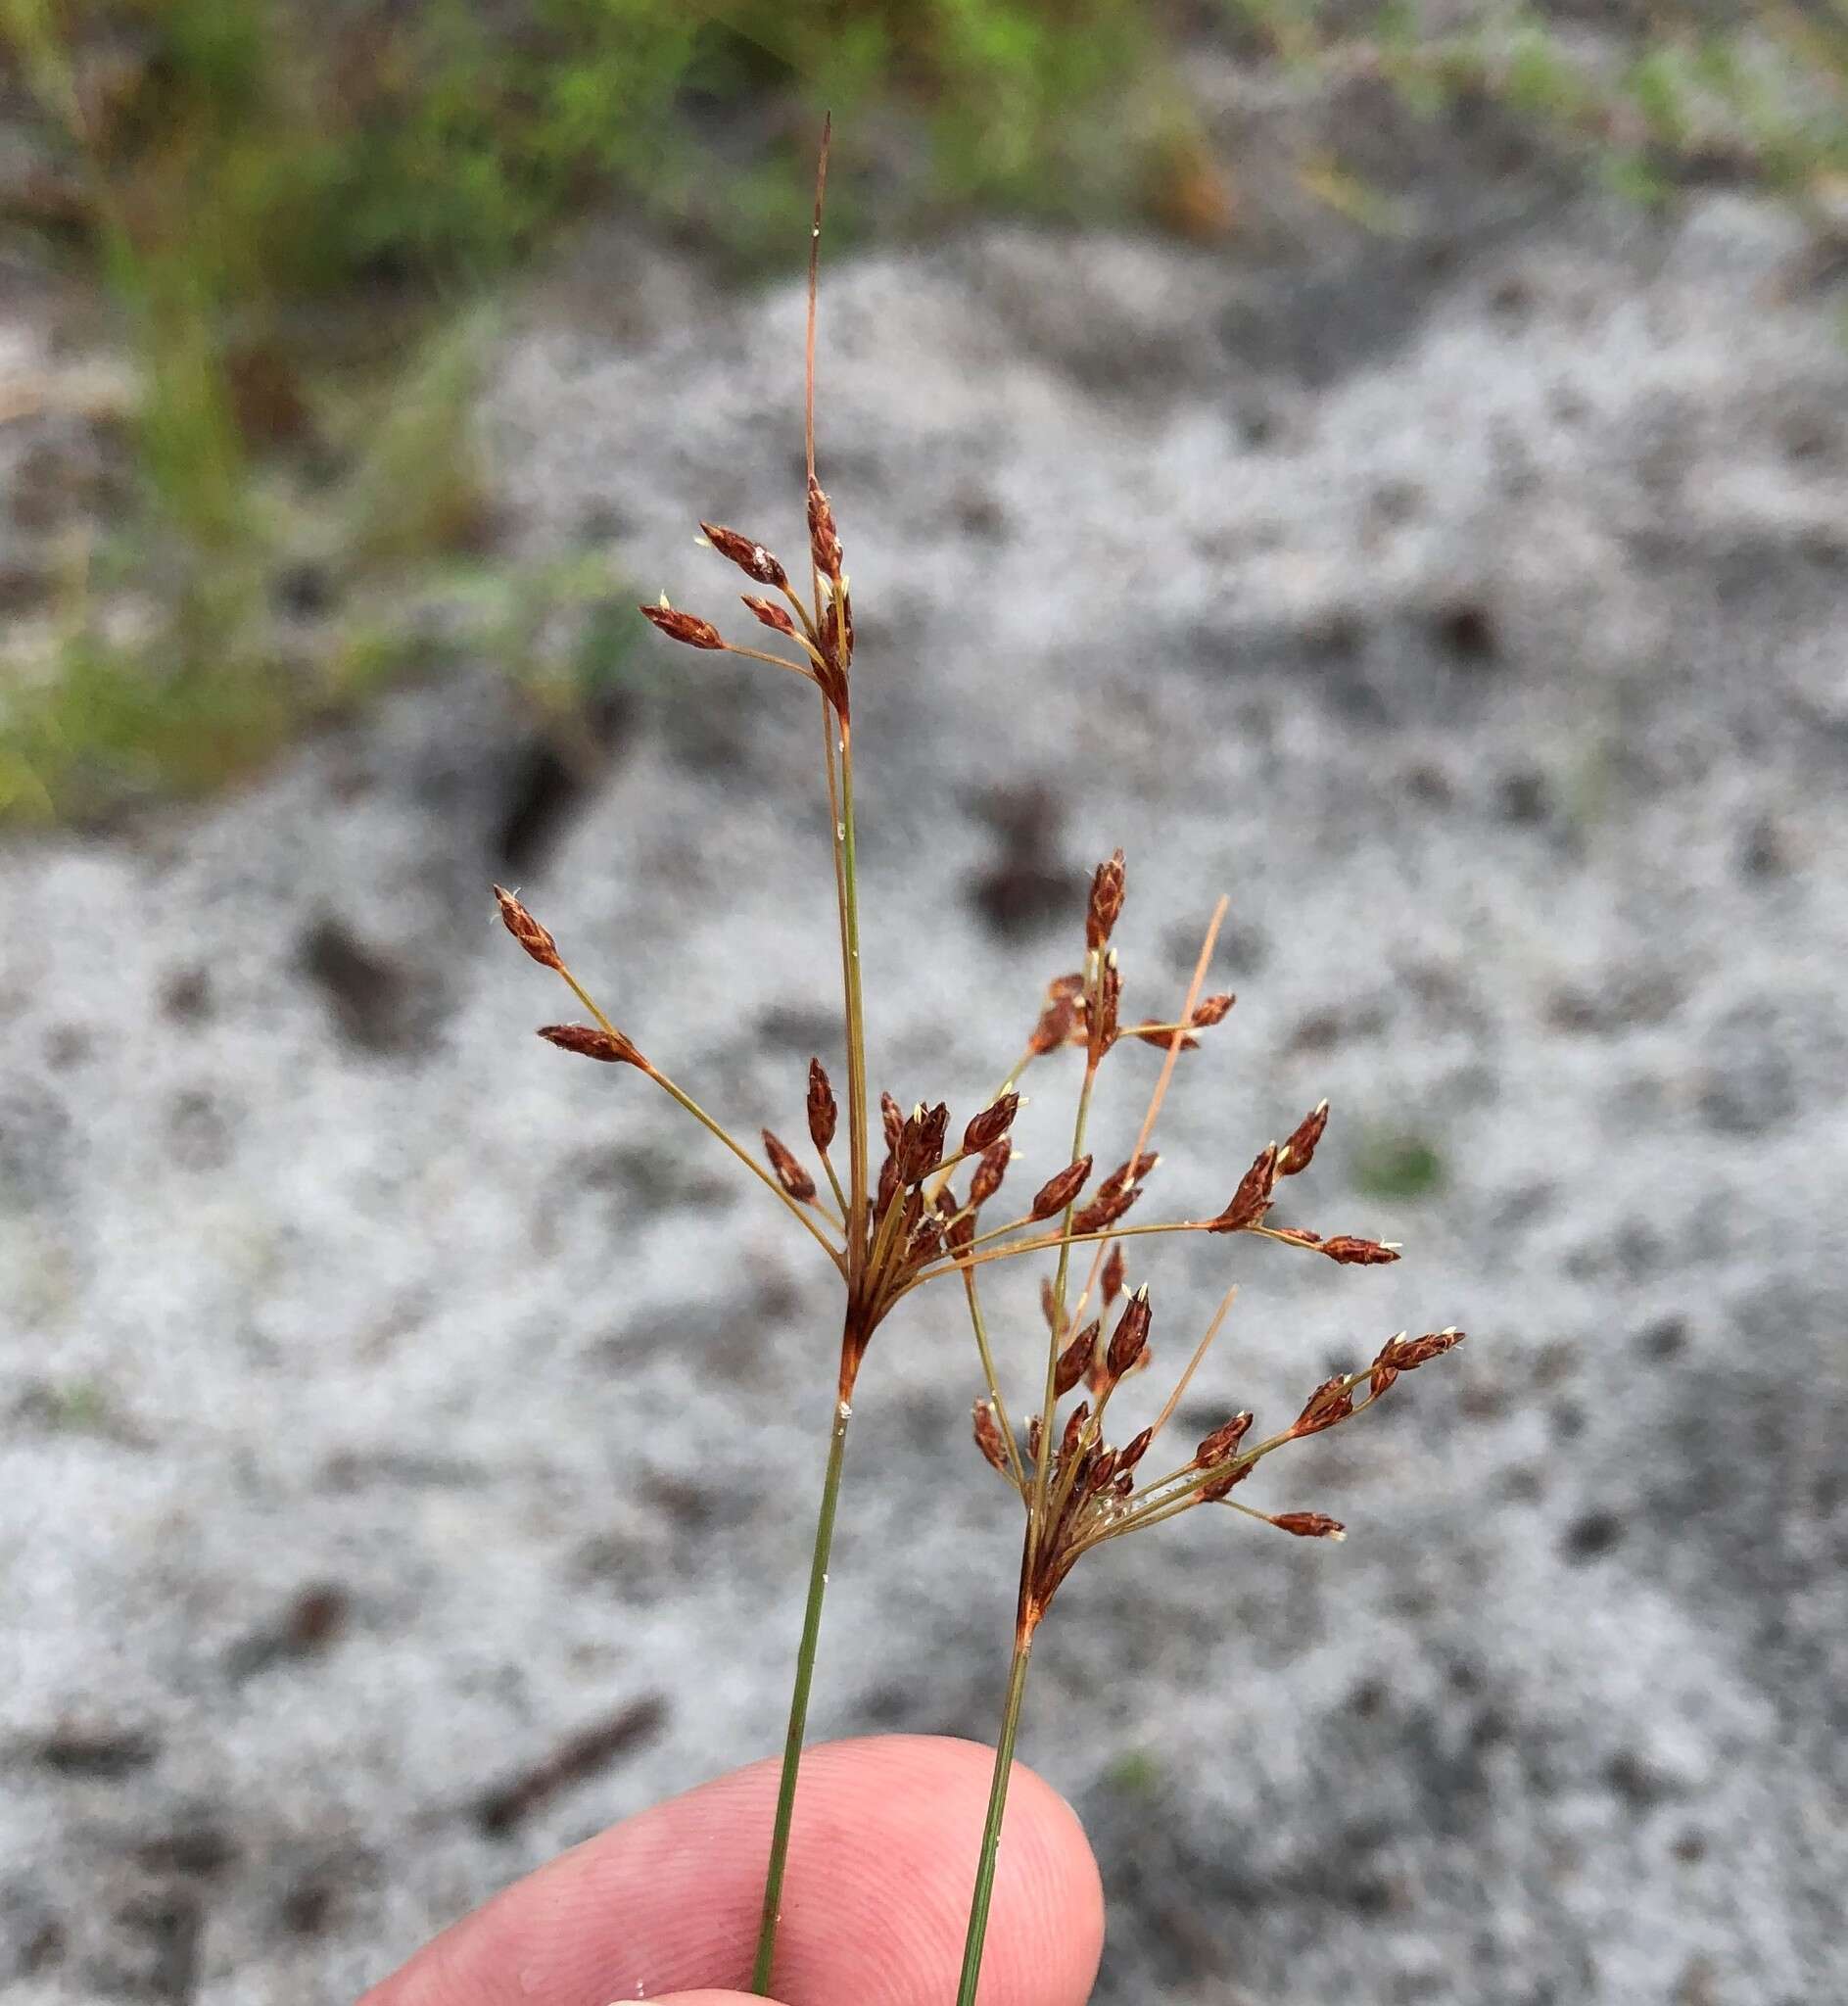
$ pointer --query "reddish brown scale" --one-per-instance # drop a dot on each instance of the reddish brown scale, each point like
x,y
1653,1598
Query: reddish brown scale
x,y
925,1242
824,537
527,931
1309,1525
748,555
988,1437
1331,1402
1298,1236
990,1172
892,1119
1104,1210
1252,1200
1380,1380
888,1184
1103,1468
688,627
1353,1253
1296,1153
1135,1448
1065,988
991,1124
1056,1024
1101,1024
1221,1445
611,1047
1075,1428
790,1175
1111,1283
1130,1338
1128,1174
1126,1483
1211,1010
1075,1360
962,1231
770,613
1035,1436
1106,903
1226,1482
1058,1191
823,1110
1049,1303
925,1143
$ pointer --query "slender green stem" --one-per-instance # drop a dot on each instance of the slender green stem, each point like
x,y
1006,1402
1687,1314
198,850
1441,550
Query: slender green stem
x,y
991,1826
856,1009
800,1704
994,1384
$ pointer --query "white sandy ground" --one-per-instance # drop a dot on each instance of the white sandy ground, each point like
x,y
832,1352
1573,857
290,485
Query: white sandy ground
x,y
1494,666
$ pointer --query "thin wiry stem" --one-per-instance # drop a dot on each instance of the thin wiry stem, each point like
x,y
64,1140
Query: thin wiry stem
x,y
997,1809
714,1127
994,1385
854,1204
800,1704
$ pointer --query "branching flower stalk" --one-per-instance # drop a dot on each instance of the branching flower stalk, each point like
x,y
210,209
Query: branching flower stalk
x,y
889,1232
1083,1492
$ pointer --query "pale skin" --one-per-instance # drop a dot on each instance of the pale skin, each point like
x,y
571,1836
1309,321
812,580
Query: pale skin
x,y
665,1906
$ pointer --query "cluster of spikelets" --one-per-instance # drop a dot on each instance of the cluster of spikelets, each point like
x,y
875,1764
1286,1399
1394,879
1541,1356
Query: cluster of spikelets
x,y
919,1228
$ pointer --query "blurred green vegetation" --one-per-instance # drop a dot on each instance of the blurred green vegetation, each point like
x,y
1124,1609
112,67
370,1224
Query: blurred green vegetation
x,y
284,199
296,209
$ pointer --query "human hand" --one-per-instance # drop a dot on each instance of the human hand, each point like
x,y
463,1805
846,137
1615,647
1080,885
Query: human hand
x,y
665,1906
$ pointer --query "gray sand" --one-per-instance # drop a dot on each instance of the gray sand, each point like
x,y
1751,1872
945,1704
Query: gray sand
x,y
388,1398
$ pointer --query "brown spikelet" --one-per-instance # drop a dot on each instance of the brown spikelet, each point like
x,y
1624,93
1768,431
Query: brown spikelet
x,y
686,627
824,536
925,1242
1058,1191
1107,902
1211,1010
1331,1402
1100,1022
961,1231
1309,1525
1065,988
1405,1354
1075,1360
1228,1479
920,1142
1135,1448
989,1172
991,1124
1105,1210
824,1111
1296,1153
1112,1282
1075,1428
1128,1175
1035,1437
892,1121
1353,1253
1252,1200
1298,1236
1049,1303
790,1175
1153,1033
769,612
749,557
1057,1022
988,1436
1219,1446
1130,1338
526,930
1103,1467
591,1043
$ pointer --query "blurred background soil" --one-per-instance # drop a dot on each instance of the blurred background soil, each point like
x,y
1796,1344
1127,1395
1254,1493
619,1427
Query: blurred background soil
x,y
1389,467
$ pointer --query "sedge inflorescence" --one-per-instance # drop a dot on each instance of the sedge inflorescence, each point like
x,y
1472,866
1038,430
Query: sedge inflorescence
x,y
898,1199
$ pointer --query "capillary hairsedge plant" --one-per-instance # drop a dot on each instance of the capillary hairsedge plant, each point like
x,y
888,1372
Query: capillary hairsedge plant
x,y
890,1229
